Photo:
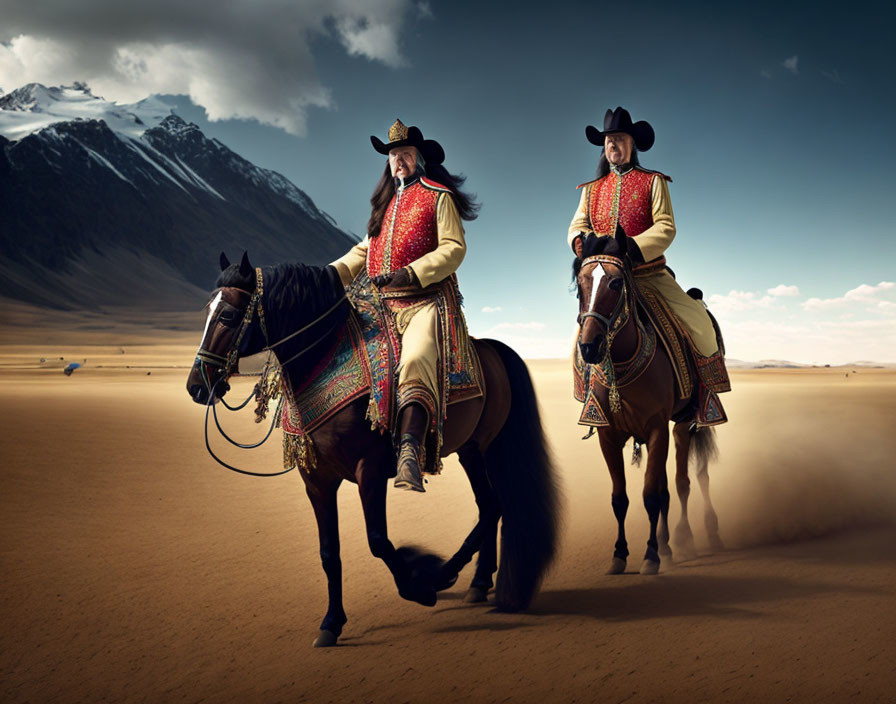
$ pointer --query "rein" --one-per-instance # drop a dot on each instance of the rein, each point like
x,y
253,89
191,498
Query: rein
x,y
226,363
211,404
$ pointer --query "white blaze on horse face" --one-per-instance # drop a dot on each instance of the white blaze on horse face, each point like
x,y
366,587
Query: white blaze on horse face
x,y
212,307
597,274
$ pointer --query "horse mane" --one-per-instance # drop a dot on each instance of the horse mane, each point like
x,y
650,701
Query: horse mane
x,y
591,246
295,295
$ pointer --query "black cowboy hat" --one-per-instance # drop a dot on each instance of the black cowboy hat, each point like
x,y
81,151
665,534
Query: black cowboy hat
x,y
619,120
403,136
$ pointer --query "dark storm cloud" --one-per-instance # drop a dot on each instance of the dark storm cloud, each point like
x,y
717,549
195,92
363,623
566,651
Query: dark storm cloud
x,y
245,58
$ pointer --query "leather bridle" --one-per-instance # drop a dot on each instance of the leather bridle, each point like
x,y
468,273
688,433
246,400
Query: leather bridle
x,y
205,358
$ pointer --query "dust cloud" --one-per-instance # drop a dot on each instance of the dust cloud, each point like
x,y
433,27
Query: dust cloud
x,y
804,456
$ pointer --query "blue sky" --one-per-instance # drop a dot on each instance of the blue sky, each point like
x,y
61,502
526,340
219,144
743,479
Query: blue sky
x,y
774,121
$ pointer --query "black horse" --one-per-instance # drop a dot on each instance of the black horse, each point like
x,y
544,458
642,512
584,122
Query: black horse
x,y
498,439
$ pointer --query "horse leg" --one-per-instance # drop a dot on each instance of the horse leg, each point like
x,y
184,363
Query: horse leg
x,y
684,538
611,444
484,536
415,572
657,452
704,450
323,500
662,531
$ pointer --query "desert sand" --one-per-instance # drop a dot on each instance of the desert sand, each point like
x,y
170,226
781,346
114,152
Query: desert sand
x,y
136,569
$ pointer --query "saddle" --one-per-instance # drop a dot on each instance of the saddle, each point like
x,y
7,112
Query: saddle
x,y
697,378
363,360
708,374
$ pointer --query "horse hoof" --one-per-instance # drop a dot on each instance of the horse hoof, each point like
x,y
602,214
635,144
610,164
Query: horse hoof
x,y
650,567
715,542
617,566
665,551
475,595
325,639
446,582
425,596
686,554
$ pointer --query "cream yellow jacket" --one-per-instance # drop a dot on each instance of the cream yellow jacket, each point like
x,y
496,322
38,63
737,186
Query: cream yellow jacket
x,y
433,266
654,240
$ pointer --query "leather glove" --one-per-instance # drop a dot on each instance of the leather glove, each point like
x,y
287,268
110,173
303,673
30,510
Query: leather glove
x,y
382,280
403,278
634,252
628,245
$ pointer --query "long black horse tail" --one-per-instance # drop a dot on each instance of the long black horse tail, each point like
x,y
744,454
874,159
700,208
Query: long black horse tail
x,y
703,448
520,469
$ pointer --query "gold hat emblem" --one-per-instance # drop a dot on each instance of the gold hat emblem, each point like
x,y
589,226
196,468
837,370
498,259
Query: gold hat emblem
x,y
398,131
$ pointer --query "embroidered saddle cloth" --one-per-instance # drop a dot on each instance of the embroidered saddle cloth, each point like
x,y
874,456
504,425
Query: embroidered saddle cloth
x,y
363,360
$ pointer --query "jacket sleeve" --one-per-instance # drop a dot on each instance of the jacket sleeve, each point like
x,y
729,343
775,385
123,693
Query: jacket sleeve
x,y
350,264
657,238
444,260
581,223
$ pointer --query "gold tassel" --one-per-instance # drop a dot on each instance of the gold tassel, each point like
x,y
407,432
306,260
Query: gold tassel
x,y
298,452
615,405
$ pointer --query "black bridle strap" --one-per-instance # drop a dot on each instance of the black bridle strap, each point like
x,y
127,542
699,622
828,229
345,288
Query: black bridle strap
x,y
243,404
221,462
240,445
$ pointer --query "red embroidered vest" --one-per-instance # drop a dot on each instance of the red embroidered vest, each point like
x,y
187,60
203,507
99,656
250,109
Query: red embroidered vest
x,y
635,208
409,228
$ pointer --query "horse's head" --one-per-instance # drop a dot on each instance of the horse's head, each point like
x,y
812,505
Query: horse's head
x,y
231,331
600,278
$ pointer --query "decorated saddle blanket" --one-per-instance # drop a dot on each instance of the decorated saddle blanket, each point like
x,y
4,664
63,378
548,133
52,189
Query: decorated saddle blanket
x,y
688,365
363,361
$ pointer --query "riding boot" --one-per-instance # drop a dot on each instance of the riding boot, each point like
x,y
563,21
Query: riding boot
x,y
412,450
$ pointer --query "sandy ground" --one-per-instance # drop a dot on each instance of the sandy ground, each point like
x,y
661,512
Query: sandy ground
x,y
136,569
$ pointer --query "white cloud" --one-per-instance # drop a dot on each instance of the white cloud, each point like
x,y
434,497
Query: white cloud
x,y
530,326
735,301
492,309
833,76
812,342
782,290
374,40
860,324
532,340
791,64
863,294
765,73
424,10
248,59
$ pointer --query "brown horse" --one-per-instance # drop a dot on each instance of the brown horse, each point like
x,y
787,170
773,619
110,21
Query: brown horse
x,y
639,400
498,439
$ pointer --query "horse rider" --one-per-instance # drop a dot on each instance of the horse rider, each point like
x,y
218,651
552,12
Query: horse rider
x,y
414,243
625,194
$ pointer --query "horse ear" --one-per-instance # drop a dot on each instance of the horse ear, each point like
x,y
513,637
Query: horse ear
x,y
245,266
224,261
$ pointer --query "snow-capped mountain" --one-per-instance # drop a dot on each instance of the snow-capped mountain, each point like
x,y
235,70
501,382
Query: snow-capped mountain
x,y
86,184
34,107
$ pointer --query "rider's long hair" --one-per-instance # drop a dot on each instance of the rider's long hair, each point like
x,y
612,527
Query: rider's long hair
x,y
467,207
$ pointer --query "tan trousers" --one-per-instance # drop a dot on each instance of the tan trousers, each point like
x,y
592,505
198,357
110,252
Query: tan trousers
x,y
691,313
419,347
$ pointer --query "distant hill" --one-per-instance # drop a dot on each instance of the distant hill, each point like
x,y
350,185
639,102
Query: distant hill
x,y
784,364
105,204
